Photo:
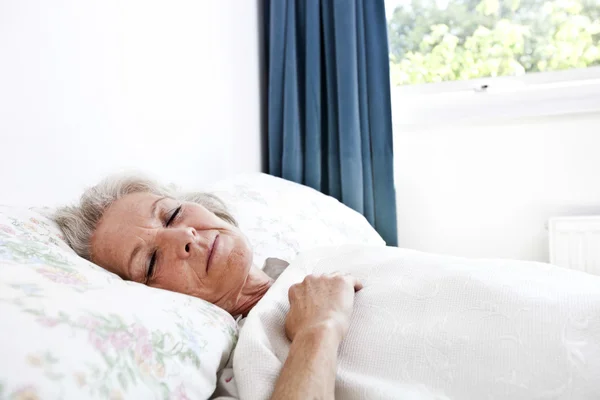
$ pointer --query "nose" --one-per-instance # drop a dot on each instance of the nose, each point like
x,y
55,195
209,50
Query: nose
x,y
178,241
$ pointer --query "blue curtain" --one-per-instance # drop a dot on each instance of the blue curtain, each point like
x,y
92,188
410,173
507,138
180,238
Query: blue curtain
x,y
329,111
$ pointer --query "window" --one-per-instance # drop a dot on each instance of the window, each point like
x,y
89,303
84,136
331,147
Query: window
x,y
542,51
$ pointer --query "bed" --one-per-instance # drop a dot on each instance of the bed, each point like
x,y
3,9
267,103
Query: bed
x,y
71,330
425,326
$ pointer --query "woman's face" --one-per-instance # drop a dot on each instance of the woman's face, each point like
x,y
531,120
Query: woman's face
x,y
171,245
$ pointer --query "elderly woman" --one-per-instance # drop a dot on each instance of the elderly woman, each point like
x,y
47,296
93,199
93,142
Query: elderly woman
x,y
190,243
424,326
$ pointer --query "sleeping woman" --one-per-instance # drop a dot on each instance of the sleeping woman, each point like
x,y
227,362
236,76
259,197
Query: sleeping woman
x,y
191,244
447,313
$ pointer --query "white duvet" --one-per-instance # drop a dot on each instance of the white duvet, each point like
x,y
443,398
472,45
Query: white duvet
x,y
438,327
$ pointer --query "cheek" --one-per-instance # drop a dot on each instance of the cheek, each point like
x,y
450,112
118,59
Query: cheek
x,y
243,253
239,262
175,277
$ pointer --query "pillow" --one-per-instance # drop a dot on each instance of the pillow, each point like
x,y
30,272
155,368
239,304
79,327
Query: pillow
x,y
73,330
282,218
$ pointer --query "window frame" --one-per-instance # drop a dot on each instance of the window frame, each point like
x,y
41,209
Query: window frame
x,y
489,100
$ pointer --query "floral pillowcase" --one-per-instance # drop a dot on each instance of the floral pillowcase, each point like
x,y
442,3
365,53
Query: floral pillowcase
x,y
71,330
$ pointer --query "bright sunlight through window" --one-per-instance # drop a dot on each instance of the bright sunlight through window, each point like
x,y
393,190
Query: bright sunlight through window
x,y
450,40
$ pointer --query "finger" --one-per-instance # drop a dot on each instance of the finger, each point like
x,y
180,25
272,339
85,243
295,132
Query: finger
x,y
355,282
358,285
292,292
311,277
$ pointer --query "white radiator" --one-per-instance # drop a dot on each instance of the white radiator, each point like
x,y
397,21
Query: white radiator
x,y
575,243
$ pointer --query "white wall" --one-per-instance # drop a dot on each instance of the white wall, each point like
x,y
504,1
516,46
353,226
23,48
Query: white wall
x,y
488,190
91,87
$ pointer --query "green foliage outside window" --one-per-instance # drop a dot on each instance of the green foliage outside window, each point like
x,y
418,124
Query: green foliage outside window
x,y
472,38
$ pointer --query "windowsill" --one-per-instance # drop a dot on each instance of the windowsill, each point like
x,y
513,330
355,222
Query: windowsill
x,y
506,99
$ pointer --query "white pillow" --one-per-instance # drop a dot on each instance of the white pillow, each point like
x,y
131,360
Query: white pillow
x,y
282,218
71,330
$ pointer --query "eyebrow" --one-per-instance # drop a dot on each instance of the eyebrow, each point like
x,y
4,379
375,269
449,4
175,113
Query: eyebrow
x,y
138,247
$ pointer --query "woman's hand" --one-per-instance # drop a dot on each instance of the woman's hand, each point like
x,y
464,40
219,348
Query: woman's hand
x,y
321,302
319,316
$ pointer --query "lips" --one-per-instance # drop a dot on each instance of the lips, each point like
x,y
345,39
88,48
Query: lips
x,y
212,251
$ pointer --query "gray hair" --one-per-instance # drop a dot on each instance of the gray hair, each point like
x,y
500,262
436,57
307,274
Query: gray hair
x,y
79,222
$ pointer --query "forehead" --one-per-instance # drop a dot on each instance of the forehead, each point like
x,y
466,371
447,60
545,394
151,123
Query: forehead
x,y
133,202
130,210
122,227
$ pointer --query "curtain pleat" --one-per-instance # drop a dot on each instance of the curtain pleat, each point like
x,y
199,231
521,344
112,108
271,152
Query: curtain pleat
x,y
329,108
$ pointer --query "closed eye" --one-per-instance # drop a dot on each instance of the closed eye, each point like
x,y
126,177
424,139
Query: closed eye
x,y
151,265
173,215
153,257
